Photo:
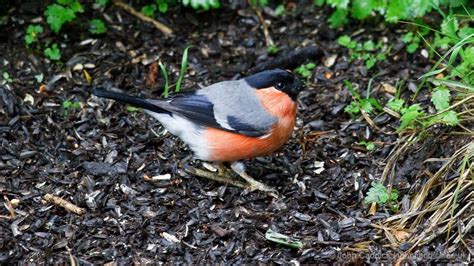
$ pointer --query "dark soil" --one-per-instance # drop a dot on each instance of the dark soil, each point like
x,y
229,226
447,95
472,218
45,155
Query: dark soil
x,y
99,156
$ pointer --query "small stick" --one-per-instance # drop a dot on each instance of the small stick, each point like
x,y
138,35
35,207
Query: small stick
x,y
268,39
69,206
160,26
10,208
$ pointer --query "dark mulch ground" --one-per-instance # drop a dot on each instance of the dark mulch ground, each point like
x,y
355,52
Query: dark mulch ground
x,y
96,156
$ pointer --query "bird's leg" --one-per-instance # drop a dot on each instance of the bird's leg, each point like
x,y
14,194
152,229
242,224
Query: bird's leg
x,y
222,175
239,168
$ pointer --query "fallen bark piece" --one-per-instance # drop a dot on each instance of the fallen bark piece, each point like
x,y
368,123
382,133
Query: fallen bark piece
x,y
291,60
69,206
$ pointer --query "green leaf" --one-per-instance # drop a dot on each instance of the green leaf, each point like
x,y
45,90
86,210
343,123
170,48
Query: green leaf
x,y
97,26
338,18
378,193
310,66
352,109
465,31
165,76
338,3
408,37
440,98
344,41
273,49
362,8
132,109
366,105
411,48
450,26
409,115
205,4
148,10
369,145
397,10
53,52
184,65
449,118
369,45
279,10
57,15
396,104
370,63
163,7
283,239
319,2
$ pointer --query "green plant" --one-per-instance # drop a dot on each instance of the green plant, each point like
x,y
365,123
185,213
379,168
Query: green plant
x,y
32,33
359,104
202,4
305,70
68,105
273,49
412,40
279,10
132,109
6,77
392,11
165,76
367,51
97,26
62,12
53,52
184,65
369,145
379,194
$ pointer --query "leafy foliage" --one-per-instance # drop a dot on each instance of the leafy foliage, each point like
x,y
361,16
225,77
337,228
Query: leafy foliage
x,y
97,26
305,70
53,52
367,104
367,51
378,193
32,33
392,11
62,12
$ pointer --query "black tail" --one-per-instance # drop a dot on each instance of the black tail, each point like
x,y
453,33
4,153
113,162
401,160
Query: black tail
x,y
138,102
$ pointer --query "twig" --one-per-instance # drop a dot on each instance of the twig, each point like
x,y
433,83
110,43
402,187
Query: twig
x,y
9,207
160,26
268,39
69,206
291,59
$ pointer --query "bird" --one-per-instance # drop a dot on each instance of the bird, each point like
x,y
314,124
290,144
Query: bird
x,y
228,121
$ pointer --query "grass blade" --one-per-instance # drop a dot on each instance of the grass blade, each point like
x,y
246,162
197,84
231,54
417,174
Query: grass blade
x,y
165,76
184,65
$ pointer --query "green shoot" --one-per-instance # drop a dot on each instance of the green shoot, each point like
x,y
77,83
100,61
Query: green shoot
x,y
165,76
369,145
6,77
273,49
202,4
68,105
59,14
184,65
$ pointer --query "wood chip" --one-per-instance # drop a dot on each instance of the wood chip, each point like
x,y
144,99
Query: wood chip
x,y
69,206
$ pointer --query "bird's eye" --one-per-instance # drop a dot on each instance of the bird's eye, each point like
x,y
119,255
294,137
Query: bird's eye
x,y
280,86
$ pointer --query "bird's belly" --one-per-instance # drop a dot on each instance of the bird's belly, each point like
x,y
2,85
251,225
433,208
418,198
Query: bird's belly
x,y
228,146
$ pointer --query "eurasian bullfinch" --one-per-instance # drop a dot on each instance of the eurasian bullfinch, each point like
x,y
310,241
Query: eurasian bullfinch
x,y
230,120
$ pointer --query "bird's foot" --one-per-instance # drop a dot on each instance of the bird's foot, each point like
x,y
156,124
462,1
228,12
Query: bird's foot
x,y
224,175
253,184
